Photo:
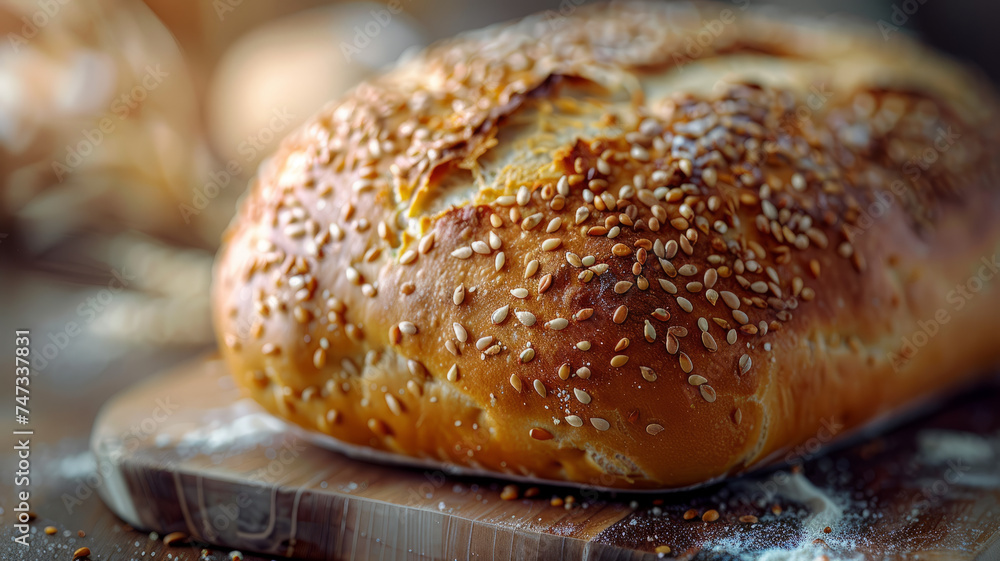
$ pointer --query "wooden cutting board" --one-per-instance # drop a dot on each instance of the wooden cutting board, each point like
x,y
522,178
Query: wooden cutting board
x,y
185,452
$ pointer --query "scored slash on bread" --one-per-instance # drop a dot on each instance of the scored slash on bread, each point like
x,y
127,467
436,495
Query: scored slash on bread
x,y
556,252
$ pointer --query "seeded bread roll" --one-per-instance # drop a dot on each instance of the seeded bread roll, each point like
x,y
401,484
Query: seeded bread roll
x,y
641,246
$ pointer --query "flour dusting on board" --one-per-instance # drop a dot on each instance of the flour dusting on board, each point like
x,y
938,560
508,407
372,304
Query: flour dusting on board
x,y
241,426
939,446
824,510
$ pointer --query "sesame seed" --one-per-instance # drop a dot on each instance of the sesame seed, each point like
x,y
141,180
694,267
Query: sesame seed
x,y
686,365
582,214
506,200
660,314
600,424
544,283
496,220
709,341
745,363
553,225
452,373
427,242
760,287
515,382
540,434
574,420
740,317
574,259
407,327
654,429
731,337
584,314
460,333
668,268
621,250
319,358
690,514
480,247
415,367
667,286
613,232
459,295
583,372
588,261
748,519
558,324
526,318
685,304
639,153
707,392
648,373
564,371
621,287
551,244
519,293
562,186
608,200
531,268
583,345
696,380
688,270
539,387
710,516
526,356
462,253
353,276
523,195
495,241
531,221
649,332
484,342
510,492
621,312
408,257
738,416
619,360
731,300
498,263
500,314
581,396
336,232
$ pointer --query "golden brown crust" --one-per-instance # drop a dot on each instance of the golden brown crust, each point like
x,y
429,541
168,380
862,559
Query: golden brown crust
x,y
545,250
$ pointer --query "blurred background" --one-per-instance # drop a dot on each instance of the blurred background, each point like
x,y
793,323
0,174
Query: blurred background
x,y
129,130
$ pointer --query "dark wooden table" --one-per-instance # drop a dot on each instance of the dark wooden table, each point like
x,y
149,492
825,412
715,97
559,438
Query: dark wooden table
x,y
66,396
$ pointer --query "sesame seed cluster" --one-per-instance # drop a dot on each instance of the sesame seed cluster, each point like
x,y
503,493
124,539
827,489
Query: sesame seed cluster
x,y
509,255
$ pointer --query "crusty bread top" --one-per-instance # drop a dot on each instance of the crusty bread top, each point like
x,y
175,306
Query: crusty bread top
x,y
592,231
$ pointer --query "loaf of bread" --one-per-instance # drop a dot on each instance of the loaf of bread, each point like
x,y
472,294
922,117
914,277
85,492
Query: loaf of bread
x,y
636,246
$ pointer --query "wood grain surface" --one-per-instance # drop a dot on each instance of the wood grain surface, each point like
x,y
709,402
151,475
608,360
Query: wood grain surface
x,y
220,470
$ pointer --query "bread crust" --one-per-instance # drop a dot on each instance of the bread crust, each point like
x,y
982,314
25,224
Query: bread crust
x,y
545,250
